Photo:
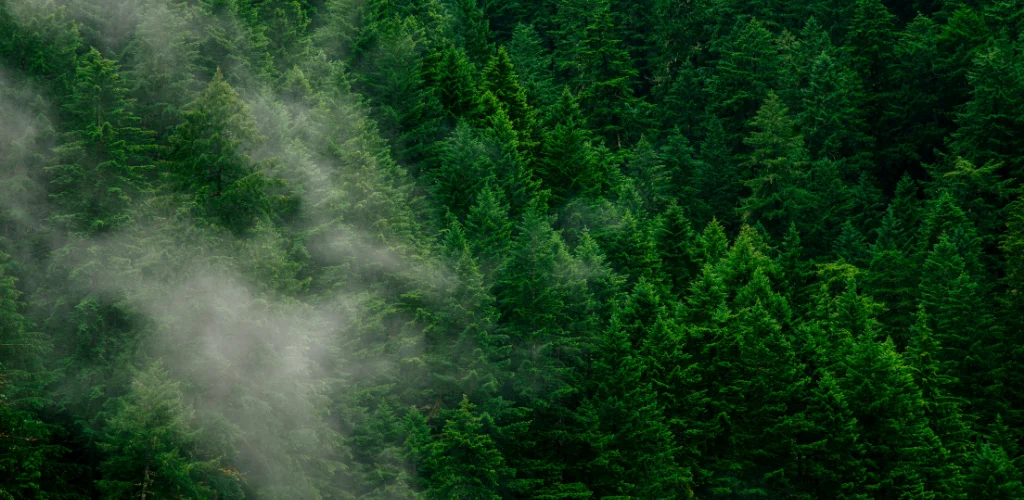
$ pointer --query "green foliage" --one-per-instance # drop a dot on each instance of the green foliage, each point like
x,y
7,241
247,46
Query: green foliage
x,y
103,157
777,166
149,444
533,249
211,159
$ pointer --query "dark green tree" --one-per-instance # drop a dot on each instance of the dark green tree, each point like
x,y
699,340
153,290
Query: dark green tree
x,y
777,166
211,159
104,158
150,444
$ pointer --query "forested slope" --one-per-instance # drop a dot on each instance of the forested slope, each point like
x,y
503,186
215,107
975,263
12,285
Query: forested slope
x,y
511,249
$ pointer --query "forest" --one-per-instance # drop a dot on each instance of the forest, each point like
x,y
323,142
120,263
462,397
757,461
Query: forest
x,y
512,249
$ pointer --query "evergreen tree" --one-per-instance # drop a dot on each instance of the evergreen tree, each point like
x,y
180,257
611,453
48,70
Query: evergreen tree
x,y
150,445
533,64
501,79
967,333
993,476
29,453
568,162
104,157
489,229
833,115
462,462
637,457
777,167
745,72
211,158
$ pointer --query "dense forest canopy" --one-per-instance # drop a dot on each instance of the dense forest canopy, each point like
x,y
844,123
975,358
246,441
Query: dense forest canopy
x,y
511,249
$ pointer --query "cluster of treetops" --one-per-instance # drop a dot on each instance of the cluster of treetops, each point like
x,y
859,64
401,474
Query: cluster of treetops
x,y
583,249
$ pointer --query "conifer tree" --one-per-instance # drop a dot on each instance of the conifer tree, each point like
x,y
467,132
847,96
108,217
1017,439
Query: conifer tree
x,y
833,114
29,453
638,457
744,73
44,40
533,64
964,325
105,155
462,462
211,158
933,376
989,124
150,445
777,168
474,27
677,245
647,169
894,429
568,161
489,229
992,476
501,79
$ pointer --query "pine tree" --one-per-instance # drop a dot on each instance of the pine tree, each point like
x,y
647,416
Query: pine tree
x,y
609,76
42,40
776,164
29,453
463,462
633,250
852,246
533,64
744,73
677,244
161,62
501,79
489,229
149,445
833,115
104,156
964,325
717,177
992,476
210,158
894,429
933,376
637,459
989,124
474,28
568,162
647,169
454,82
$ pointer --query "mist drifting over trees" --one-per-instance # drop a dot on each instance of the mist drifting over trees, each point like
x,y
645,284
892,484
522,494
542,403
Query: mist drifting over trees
x,y
511,249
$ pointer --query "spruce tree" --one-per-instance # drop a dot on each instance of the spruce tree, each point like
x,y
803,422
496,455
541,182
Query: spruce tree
x,y
462,462
149,444
743,75
777,167
105,155
568,162
30,456
992,476
210,158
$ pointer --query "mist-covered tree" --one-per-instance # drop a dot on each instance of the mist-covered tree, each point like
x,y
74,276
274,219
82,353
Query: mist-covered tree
x,y
211,159
149,444
104,158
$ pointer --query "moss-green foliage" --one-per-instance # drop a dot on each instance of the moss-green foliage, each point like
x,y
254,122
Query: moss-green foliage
x,y
528,249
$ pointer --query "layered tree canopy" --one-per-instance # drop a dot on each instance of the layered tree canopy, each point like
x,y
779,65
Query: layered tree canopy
x,y
519,249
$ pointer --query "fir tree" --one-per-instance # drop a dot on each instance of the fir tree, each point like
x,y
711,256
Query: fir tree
x,y
992,476
462,462
104,157
210,158
149,445
777,163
